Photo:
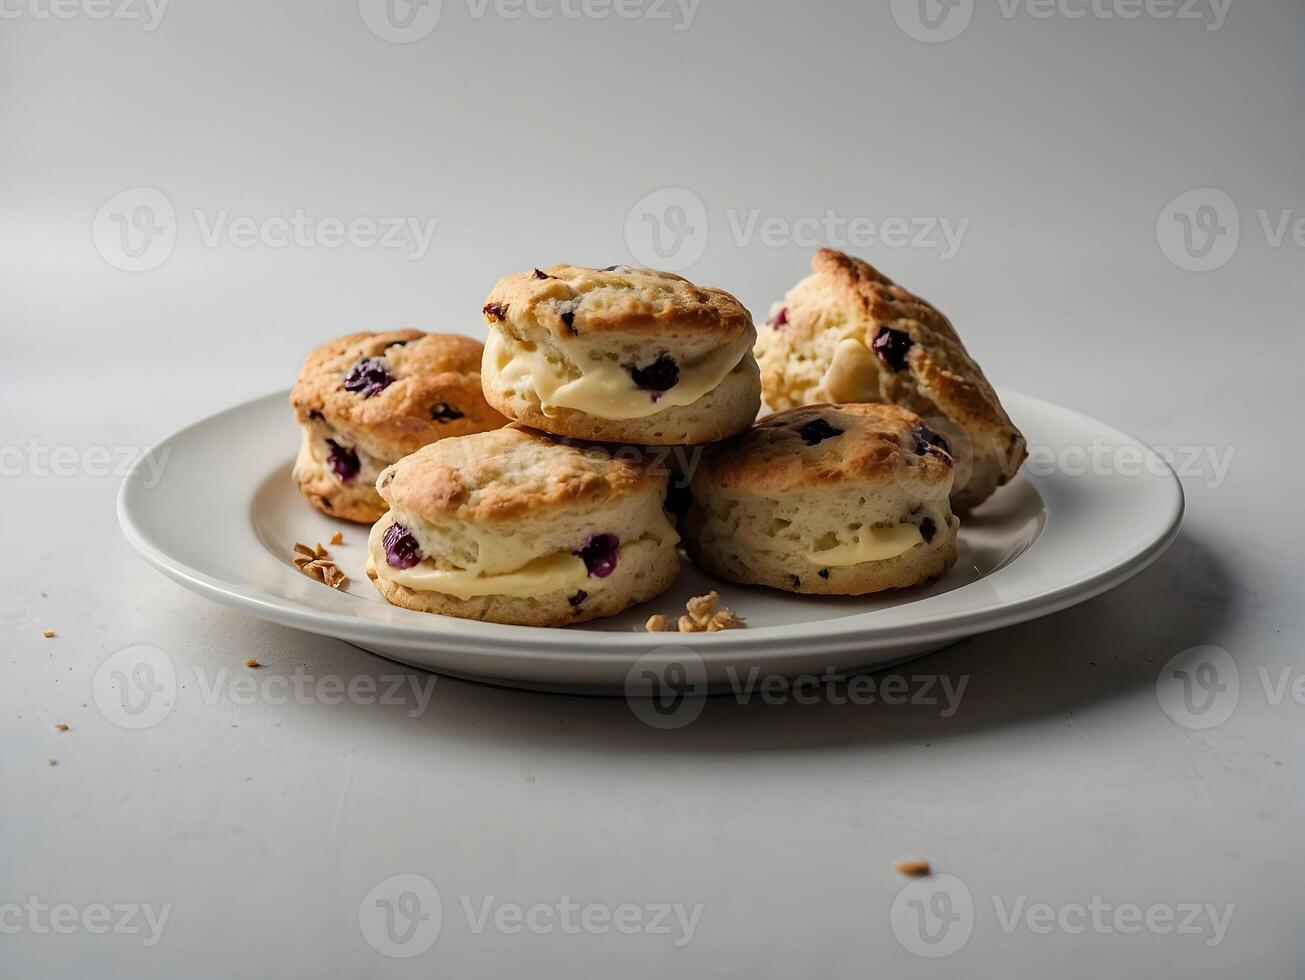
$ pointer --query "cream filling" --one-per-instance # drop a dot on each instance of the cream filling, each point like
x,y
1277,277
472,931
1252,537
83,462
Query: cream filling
x,y
872,544
547,573
605,389
853,373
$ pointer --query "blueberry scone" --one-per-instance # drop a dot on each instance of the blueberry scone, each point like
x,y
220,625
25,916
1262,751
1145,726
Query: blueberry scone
x,y
514,526
826,500
620,355
847,333
369,399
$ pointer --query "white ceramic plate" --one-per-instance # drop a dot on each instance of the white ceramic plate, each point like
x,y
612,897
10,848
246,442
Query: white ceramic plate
x,y
223,519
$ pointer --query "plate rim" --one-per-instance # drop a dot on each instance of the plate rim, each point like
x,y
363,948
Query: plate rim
x,y
511,641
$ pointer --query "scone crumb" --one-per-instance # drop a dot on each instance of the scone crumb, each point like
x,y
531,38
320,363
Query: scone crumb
x,y
915,868
252,664
705,615
53,762
61,727
316,564
337,538
48,634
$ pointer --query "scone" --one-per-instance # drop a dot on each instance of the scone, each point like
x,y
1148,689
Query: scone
x,y
369,399
826,500
620,355
846,334
514,526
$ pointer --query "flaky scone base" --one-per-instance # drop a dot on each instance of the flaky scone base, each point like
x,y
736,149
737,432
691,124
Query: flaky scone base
x,y
631,583
729,408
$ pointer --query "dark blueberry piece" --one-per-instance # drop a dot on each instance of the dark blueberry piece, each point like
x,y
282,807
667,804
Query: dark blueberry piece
x,y
494,312
315,416
662,374
541,274
344,462
610,268
368,377
797,581
926,438
401,548
444,412
599,554
578,598
823,573
817,431
928,529
892,347
780,320
569,319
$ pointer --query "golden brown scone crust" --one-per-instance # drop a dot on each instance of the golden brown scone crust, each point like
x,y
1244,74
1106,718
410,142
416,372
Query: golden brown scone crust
x,y
436,392
498,475
875,444
940,379
570,300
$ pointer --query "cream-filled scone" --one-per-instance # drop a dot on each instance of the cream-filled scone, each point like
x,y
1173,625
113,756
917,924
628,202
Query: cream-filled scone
x,y
846,333
515,526
620,355
826,500
369,399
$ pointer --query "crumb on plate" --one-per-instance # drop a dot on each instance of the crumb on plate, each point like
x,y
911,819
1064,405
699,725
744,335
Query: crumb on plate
x,y
337,538
316,564
61,727
252,664
48,634
705,614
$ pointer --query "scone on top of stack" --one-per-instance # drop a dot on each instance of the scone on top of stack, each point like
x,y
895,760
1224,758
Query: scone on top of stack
x,y
847,333
515,526
826,499
369,399
620,355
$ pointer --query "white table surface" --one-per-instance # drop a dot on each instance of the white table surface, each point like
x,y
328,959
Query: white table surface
x,y
259,828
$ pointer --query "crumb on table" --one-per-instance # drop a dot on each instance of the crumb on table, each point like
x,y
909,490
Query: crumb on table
x,y
915,868
61,727
252,664
337,538
48,634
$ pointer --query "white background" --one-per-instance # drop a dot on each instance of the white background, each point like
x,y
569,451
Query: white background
x,y
1061,140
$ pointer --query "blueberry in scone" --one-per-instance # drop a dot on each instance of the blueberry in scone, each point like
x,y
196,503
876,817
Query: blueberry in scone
x,y
847,333
826,500
516,526
620,355
369,399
